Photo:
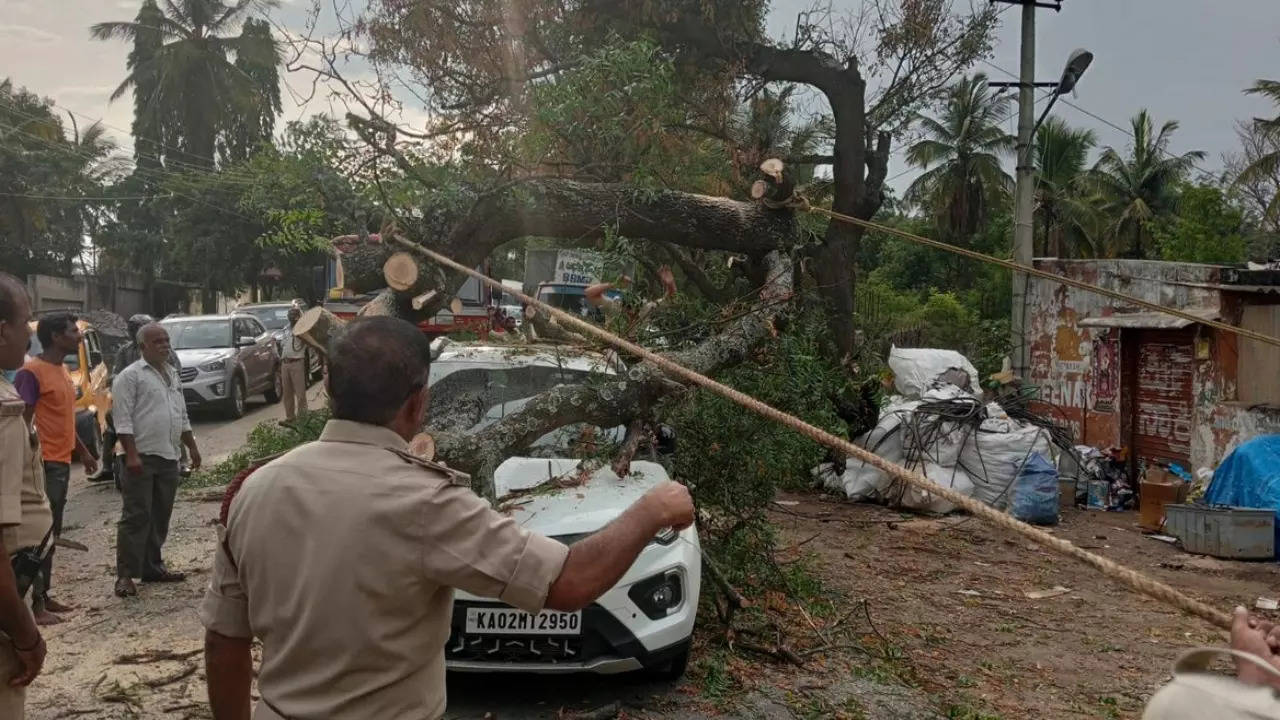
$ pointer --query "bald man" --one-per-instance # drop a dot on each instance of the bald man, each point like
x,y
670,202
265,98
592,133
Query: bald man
x,y
151,421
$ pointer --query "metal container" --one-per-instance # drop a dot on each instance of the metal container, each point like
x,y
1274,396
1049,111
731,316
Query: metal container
x,y
1222,531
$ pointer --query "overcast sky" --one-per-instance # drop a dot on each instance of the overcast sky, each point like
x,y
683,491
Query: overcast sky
x,y
1187,60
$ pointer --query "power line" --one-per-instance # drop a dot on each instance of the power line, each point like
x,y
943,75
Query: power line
x,y
85,198
153,183
1126,131
236,176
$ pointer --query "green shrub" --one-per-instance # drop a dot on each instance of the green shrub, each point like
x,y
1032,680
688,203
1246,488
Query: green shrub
x,y
266,438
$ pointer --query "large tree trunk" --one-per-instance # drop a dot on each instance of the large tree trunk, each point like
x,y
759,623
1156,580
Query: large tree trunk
x,y
566,208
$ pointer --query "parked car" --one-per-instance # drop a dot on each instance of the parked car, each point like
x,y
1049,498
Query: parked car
x,y
91,378
275,317
645,622
225,359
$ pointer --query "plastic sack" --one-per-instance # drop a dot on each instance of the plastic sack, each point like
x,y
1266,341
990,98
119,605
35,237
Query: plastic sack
x,y
1035,492
915,370
994,455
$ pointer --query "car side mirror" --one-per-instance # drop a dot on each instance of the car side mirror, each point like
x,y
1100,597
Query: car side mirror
x,y
245,340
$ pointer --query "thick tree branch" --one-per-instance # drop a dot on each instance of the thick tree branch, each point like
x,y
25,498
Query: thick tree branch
x,y
617,400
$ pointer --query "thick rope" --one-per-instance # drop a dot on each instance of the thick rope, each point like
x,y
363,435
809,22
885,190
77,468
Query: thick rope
x,y
1126,576
803,205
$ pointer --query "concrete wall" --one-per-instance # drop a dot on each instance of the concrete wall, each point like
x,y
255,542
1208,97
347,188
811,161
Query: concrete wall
x,y
1079,369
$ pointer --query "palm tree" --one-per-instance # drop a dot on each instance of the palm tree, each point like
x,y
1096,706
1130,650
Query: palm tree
x,y
1266,165
1063,204
1140,185
194,80
961,154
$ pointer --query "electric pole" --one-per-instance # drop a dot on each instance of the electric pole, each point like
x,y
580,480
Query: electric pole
x,y
1024,188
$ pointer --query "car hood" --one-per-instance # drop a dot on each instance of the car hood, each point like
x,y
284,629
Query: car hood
x,y
194,357
573,510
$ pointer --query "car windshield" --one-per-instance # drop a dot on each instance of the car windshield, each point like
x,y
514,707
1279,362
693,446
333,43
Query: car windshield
x,y
274,317
72,360
471,396
199,334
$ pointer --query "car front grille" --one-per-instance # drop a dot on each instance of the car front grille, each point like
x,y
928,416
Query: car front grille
x,y
484,648
191,397
187,374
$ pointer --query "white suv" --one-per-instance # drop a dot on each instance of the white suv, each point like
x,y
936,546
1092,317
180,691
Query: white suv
x,y
645,622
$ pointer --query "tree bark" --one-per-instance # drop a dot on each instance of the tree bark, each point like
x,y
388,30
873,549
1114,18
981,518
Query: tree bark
x,y
318,327
567,208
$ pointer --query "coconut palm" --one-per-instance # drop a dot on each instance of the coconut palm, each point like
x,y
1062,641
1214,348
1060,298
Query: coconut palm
x,y
1064,208
1267,164
1140,184
961,153
195,80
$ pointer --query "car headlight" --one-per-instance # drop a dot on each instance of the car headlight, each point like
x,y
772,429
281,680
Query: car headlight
x,y
214,365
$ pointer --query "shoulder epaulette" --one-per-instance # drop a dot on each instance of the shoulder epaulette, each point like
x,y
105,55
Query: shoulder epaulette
x,y
455,477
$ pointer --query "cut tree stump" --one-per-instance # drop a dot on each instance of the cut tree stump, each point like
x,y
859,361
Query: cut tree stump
x,y
317,327
405,274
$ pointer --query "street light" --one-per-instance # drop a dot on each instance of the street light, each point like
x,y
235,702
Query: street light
x,y
1077,62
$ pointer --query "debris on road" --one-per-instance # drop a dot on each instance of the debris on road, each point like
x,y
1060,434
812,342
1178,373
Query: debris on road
x,y
1054,591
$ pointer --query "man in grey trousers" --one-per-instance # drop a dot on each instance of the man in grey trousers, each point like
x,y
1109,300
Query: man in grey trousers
x,y
151,421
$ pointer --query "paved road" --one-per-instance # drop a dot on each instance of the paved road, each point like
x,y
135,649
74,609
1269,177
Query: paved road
x,y
218,436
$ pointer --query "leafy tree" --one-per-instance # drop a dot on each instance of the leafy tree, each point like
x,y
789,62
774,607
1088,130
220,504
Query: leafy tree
x,y
1207,227
1263,164
275,210
961,153
43,225
478,63
1139,185
1065,207
199,88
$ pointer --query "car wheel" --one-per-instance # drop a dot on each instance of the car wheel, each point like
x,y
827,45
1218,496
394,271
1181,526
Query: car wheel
x,y
276,391
671,670
235,401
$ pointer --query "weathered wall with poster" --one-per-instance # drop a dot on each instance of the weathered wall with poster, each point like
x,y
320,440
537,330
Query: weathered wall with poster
x,y
1095,378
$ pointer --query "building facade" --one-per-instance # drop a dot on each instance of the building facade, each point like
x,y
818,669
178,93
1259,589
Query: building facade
x,y
1168,389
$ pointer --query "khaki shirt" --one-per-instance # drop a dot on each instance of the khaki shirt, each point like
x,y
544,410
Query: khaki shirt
x,y
25,517
343,558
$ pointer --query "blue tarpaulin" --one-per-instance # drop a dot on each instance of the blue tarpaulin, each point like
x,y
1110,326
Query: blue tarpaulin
x,y
1250,477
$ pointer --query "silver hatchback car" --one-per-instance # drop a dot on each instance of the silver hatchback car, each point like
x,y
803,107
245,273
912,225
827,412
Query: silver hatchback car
x,y
225,359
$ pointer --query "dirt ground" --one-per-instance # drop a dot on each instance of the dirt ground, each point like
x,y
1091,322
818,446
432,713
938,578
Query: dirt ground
x,y
945,599
951,593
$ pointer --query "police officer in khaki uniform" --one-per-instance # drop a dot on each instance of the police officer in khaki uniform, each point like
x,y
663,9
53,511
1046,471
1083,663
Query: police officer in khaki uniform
x,y
1253,694
342,555
25,518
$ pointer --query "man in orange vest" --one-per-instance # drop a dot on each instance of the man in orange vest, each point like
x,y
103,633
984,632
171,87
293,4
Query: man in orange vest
x,y
50,397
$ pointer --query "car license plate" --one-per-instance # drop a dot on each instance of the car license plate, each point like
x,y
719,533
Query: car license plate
x,y
509,621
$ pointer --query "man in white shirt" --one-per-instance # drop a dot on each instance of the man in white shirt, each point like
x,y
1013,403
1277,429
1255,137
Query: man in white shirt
x,y
293,369
151,421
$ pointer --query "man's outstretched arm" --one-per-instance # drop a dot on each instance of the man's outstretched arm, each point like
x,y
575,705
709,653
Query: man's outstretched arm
x,y
228,665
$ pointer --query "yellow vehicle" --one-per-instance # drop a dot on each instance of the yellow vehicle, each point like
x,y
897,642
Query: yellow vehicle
x,y
92,380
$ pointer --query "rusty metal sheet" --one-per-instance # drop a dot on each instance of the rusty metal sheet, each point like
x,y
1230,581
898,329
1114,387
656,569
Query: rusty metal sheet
x,y
1163,397
1155,320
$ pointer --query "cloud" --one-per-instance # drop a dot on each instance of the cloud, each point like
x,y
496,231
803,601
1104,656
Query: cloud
x,y
26,33
84,92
